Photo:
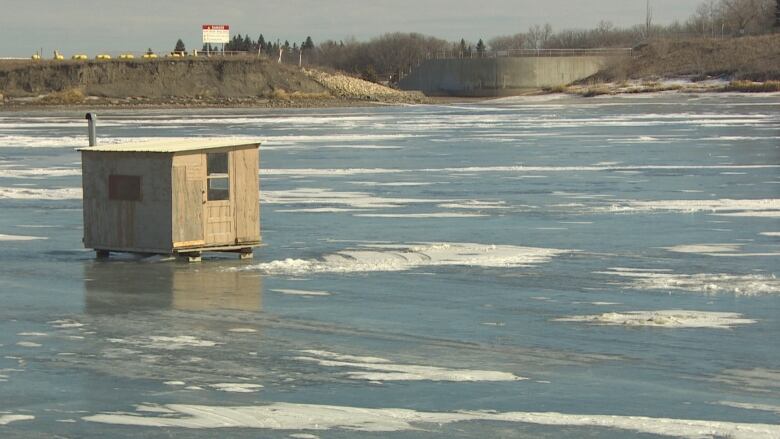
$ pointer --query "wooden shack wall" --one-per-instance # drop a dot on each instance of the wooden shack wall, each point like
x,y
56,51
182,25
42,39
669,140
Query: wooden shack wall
x,y
143,225
189,181
246,188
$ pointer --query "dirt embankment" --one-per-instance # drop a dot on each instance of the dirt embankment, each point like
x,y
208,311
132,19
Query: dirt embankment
x,y
248,81
748,58
748,64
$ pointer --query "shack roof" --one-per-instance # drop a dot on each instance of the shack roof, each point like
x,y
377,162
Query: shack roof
x,y
174,144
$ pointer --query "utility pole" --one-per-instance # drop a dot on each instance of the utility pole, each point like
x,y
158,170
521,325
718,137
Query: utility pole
x,y
648,19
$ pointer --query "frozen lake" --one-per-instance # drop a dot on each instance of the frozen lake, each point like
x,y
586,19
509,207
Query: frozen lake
x,y
539,267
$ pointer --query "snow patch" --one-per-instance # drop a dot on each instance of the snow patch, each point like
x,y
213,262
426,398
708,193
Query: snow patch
x,y
18,193
302,292
166,342
381,369
401,257
289,416
7,419
236,387
663,319
20,238
728,207
738,284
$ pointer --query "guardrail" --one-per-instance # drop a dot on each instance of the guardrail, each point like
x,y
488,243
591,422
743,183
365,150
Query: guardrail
x,y
449,54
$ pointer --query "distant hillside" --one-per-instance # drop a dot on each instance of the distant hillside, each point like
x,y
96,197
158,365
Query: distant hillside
x,y
205,80
751,58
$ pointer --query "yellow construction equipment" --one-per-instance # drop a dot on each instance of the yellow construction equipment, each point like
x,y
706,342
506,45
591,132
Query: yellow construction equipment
x,y
58,56
35,57
127,56
79,56
150,55
103,56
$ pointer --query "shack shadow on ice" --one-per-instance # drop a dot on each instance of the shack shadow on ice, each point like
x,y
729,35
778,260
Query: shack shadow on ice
x,y
173,196
120,287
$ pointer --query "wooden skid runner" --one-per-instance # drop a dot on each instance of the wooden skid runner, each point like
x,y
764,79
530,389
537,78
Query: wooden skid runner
x,y
193,254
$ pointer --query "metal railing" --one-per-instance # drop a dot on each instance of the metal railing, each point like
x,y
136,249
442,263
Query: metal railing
x,y
450,54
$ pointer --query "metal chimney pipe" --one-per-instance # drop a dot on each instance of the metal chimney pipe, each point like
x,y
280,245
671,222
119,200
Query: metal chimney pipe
x,y
92,121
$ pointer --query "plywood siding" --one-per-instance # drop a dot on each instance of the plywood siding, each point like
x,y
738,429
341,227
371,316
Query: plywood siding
x,y
143,225
247,194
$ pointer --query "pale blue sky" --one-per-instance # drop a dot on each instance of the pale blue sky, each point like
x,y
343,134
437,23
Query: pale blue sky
x,y
90,26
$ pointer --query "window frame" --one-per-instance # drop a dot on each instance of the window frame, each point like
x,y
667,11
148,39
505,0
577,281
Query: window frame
x,y
218,176
125,187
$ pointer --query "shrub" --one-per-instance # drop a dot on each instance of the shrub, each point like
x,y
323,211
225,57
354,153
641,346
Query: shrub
x,y
64,97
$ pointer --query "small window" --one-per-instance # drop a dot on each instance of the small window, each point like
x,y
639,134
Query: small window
x,y
124,187
217,175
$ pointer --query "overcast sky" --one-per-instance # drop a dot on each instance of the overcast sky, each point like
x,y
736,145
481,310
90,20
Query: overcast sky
x,y
92,26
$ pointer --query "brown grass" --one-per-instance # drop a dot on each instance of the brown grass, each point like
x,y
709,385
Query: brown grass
x,y
64,97
753,87
597,90
555,89
755,58
283,95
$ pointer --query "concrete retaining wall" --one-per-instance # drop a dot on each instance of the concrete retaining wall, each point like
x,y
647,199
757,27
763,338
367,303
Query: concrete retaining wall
x,y
498,76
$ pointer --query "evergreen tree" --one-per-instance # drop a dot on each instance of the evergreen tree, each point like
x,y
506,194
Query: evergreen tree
x,y
480,47
247,45
179,46
463,47
261,42
777,15
308,44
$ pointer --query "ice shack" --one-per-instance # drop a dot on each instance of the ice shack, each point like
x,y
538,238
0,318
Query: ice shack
x,y
172,196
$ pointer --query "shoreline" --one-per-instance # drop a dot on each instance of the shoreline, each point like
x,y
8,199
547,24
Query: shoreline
x,y
624,88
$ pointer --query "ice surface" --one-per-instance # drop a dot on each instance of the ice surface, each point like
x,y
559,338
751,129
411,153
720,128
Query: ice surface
x,y
359,200
750,406
664,319
758,379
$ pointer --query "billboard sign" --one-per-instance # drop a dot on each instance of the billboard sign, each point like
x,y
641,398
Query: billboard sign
x,y
216,33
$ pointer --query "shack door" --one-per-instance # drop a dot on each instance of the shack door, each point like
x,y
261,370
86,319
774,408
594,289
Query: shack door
x,y
218,205
188,195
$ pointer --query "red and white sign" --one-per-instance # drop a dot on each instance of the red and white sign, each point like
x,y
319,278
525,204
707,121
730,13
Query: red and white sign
x,y
216,33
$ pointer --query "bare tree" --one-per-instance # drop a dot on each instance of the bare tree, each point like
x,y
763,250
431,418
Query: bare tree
x,y
747,16
508,42
537,36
